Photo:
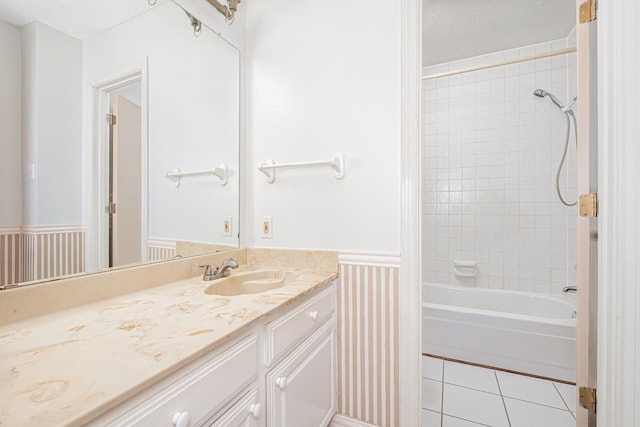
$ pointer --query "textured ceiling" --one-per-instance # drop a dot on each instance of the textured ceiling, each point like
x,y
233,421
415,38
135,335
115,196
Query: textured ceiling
x,y
452,29
457,29
78,18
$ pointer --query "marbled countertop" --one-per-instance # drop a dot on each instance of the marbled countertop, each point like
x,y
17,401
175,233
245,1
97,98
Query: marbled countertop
x,y
68,367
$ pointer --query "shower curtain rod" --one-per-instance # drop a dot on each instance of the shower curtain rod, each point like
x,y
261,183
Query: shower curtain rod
x,y
499,64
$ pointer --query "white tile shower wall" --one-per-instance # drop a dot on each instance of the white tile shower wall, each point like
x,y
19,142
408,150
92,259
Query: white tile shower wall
x,y
491,150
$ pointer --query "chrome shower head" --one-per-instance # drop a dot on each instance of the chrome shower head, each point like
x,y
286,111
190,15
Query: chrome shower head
x,y
541,93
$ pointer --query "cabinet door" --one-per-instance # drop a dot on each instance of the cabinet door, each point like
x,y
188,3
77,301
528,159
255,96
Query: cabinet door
x,y
301,390
245,413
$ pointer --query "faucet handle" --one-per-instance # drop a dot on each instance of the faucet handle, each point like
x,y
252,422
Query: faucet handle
x,y
208,274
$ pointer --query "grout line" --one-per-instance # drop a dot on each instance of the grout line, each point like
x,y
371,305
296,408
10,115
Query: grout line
x,y
468,420
510,371
562,397
474,389
504,404
539,404
442,397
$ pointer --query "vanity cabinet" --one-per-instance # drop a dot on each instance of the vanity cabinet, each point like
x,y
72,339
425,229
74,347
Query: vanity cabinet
x,y
300,350
194,394
301,390
281,372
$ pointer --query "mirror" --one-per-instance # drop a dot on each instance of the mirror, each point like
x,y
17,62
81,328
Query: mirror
x,y
66,163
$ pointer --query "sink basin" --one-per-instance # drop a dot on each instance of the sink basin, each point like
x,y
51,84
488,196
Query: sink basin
x,y
253,282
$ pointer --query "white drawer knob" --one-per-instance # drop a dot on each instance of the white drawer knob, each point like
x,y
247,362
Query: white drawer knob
x,y
313,315
255,409
281,382
181,419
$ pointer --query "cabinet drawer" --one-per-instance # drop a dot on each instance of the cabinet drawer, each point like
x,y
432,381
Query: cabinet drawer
x,y
200,392
243,413
291,328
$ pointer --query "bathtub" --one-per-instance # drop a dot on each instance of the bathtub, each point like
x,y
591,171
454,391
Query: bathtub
x,y
519,331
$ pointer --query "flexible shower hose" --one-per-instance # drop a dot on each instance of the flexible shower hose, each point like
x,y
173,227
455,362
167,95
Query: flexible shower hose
x,y
564,155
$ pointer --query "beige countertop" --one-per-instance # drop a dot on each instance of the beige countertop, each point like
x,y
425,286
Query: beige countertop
x,y
67,367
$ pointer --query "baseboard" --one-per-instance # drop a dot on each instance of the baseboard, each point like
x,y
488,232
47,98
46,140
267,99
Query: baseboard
x,y
342,421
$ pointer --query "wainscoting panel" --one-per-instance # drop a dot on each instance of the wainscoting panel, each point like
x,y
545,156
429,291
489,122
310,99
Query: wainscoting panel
x,y
9,256
51,251
160,249
368,338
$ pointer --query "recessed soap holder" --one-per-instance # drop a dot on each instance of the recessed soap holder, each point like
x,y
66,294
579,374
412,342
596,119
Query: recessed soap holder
x,y
465,268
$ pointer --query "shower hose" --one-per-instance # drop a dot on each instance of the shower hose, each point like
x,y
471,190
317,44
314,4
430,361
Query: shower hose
x,y
564,154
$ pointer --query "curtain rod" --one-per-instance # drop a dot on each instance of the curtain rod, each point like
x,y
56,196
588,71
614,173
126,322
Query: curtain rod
x,y
499,64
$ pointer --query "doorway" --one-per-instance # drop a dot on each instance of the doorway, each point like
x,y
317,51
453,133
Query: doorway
x,y
118,229
491,155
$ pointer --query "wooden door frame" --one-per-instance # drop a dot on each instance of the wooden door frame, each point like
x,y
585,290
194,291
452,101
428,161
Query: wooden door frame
x,y
97,234
587,228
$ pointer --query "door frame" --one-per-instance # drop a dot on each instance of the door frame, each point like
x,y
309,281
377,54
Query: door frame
x,y
410,290
98,239
586,228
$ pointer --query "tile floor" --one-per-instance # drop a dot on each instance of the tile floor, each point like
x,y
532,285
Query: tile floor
x,y
459,395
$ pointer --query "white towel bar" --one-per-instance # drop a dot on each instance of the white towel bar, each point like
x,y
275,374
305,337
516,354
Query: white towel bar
x,y
221,172
269,167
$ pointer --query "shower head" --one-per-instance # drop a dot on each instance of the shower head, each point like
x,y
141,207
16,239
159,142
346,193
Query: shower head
x,y
541,93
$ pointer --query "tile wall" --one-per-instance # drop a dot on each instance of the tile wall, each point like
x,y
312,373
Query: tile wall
x,y
491,150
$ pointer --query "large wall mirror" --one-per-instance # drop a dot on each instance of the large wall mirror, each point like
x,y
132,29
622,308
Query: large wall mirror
x,y
118,145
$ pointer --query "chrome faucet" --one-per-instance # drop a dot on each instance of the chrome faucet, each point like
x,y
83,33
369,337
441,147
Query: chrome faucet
x,y
223,270
572,288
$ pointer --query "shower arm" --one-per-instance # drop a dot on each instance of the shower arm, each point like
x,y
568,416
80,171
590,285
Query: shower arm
x,y
228,11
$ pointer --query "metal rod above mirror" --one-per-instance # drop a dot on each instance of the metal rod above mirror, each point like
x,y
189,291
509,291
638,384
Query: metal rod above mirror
x,y
228,11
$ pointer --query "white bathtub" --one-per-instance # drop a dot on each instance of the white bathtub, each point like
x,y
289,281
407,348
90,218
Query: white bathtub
x,y
519,331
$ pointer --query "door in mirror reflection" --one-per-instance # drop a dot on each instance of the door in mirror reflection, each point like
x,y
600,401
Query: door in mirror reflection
x,y
126,192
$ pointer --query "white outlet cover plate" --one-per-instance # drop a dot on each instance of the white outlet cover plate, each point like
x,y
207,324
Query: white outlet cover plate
x,y
267,223
227,226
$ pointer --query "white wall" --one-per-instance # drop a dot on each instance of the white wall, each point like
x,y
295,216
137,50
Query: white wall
x,y
193,117
51,127
323,78
10,125
491,151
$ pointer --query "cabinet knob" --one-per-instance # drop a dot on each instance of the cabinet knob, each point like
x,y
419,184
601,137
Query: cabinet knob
x,y
313,315
281,382
181,419
255,409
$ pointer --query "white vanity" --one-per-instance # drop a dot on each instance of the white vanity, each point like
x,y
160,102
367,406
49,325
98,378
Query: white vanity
x,y
174,356
280,372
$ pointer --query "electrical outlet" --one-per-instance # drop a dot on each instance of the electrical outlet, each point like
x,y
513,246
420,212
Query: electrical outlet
x,y
267,227
226,226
